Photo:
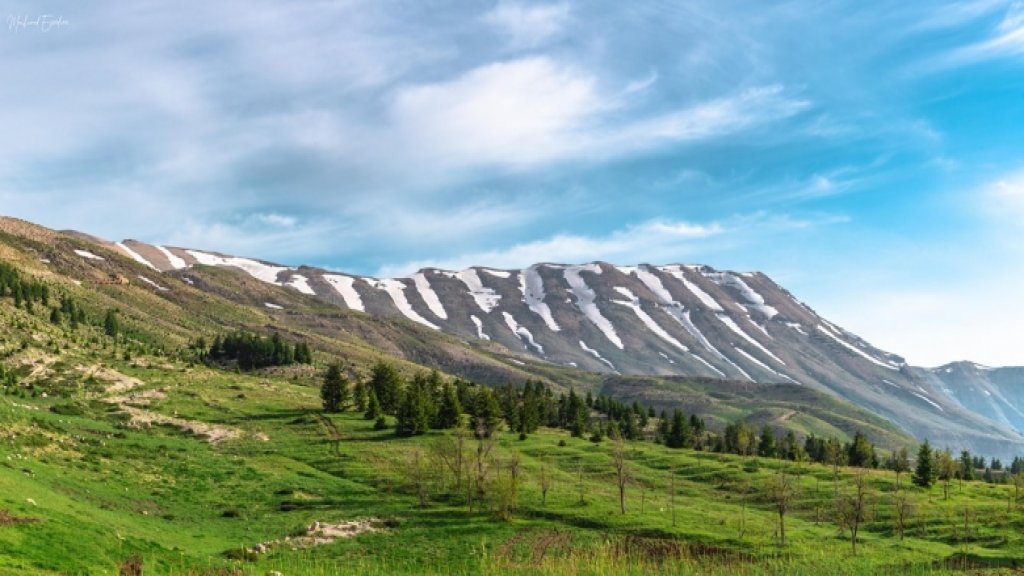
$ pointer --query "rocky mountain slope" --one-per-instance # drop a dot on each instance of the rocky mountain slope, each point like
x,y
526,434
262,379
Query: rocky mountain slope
x,y
645,320
996,393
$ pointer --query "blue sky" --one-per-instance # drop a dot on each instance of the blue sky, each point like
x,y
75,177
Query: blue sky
x,y
868,156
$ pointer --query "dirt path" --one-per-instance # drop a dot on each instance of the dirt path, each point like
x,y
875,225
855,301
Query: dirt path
x,y
123,392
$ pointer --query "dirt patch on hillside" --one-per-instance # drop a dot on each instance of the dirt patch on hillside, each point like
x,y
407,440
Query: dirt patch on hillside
x,y
116,382
210,432
321,533
6,519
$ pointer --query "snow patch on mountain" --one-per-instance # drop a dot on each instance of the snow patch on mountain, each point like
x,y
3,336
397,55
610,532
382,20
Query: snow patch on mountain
x,y
928,400
755,300
257,270
300,283
634,304
136,256
88,255
585,297
708,364
595,354
531,285
152,283
654,284
521,332
855,349
798,327
428,295
175,261
736,328
750,357
697,291
479,328
396,289
498,273
345,286
486,298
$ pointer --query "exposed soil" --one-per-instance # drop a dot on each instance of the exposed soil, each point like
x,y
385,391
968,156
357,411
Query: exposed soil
x,y
7,520
320,533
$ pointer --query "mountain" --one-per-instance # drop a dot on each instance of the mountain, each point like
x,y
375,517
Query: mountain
x,y
648,332
996,393
642,320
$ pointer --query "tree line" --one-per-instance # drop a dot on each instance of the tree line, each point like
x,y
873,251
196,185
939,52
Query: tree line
x,y
251,351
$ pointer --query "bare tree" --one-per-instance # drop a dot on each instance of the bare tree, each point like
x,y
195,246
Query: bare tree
x,y
672,495
947,468
451,450
481,468
900,463
854,508
514,471
903,511
417,475
781,491
834,456
545,479
579,480
622,473
1018,482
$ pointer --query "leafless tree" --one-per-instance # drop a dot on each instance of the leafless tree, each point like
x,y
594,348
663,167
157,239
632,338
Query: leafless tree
x,y
903,511
854,508
781,491
579,480
900,462
417,475
947,468
451,451
514,471
545,479
622,473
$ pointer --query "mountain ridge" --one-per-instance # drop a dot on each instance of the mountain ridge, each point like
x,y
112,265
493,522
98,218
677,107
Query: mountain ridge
x,y
641,320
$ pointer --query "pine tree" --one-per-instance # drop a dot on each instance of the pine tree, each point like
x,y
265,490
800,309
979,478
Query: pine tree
x,y
413,416
359,396
387,383
766,446
334,391
486,413
861,453
449,413
373,409
925,473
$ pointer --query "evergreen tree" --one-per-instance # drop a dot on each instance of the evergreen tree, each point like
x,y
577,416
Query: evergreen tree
x,y
413,416
334,390
680,435
966,466
387,384
486,413
373,409
766,446
860,452
449,413
56,317
359,396
925,472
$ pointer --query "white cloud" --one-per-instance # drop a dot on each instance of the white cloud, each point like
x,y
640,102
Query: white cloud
x,y
1006,40
528,26
535,110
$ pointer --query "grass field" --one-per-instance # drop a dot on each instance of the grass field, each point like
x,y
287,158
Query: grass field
x,y
83,491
